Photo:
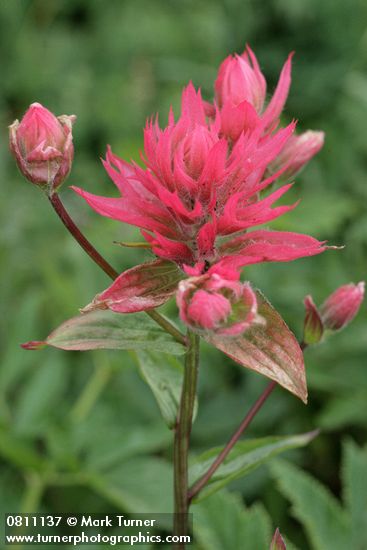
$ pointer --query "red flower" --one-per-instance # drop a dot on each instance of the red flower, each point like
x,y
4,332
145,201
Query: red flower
x,y
203,175
42,146
197,187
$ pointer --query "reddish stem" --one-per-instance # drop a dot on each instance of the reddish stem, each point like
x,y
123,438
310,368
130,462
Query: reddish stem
x,y
198,486
79,237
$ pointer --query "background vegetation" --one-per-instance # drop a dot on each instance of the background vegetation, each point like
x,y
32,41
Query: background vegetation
x,y
113,64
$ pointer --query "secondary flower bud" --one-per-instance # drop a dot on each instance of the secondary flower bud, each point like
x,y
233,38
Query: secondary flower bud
x,y
342,306
240,79
277,542
313,329
297,152
211,303
42,145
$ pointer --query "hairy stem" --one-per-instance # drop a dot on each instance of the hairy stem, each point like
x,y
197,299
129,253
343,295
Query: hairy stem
x,y
104,265
182,437
198,486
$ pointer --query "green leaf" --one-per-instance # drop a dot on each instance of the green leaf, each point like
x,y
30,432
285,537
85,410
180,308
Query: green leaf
x,y
270,349
11,490
355,490
326,523
139,485
244,457
37,399
343,410
108,330
222,522
164,375
19,452
110,448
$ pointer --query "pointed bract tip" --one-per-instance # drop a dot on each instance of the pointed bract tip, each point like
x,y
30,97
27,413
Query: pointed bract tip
x,y
34,345
277,542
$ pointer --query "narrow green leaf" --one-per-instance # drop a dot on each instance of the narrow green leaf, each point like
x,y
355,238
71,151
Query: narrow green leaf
x,y
37,399
355,490
108,330
326,523
270,349
344,409
164,375
244,457
20,453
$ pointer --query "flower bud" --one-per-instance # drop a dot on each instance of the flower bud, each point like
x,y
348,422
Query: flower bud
x,y
236,119
211,303
240,79
313,328
277,542
42,145
342,306
297,152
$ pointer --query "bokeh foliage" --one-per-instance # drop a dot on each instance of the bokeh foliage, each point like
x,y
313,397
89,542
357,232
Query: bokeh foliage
x,y
113,64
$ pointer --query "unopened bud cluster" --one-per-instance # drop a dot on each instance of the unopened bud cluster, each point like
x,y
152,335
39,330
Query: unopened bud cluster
x,y
212,303
338,310
42,145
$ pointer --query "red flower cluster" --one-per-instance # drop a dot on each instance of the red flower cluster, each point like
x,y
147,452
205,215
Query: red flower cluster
x,y
204,173
197,197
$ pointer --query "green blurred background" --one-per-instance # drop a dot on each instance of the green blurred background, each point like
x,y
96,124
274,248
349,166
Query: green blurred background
x,y
113,64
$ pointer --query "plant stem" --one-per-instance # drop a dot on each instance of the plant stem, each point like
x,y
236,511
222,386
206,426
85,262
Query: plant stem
x,y
182,437
104,265
79,237
169,327
198,486
33,494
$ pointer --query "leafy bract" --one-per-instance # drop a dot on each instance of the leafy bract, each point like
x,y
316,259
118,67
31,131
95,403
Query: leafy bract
x,y
143,287
270,349
103,329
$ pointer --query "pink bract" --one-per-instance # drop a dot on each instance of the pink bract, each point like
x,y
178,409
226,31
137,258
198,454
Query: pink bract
x,y
342,306
297,152
215,304
203,177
